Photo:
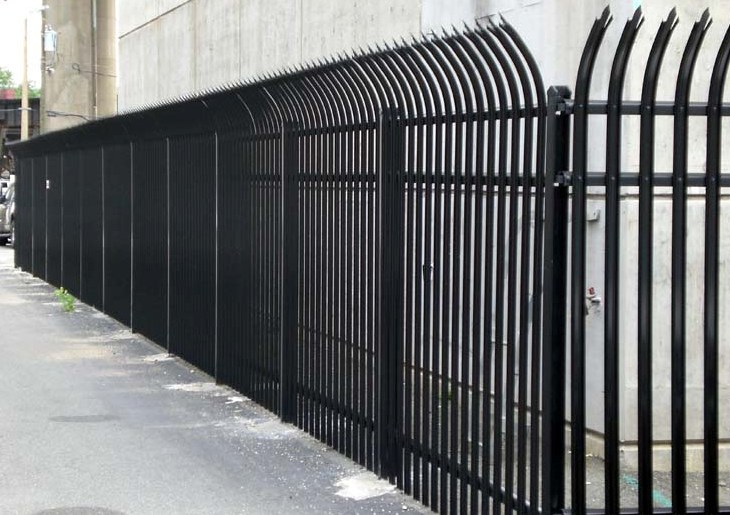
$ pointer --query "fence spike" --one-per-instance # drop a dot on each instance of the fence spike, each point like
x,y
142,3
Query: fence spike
x,y
679,248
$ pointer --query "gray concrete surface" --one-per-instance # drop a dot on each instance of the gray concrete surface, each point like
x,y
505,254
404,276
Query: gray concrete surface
x,y
96,420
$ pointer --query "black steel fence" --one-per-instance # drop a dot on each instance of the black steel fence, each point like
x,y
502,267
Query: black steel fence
x,y
678,345
358,246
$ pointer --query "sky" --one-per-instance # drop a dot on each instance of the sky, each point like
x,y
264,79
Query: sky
x,y
12,13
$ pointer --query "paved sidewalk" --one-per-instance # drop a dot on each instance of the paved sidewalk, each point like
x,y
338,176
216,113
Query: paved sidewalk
x,y
95,420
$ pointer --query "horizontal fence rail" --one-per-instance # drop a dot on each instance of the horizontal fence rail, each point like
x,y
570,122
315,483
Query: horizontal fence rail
x,y
393,250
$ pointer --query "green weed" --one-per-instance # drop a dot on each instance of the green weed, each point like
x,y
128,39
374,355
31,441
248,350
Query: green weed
x,y
67,300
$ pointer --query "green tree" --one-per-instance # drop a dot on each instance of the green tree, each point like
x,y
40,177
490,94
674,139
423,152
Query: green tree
x,y
33,91
6,78
6,81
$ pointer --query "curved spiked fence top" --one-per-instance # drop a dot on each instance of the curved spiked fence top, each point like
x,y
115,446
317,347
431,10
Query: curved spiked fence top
x,y
475,232
454,74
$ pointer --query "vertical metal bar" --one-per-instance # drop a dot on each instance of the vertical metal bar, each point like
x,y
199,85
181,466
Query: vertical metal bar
x,y
247,272
254,249
430,362
468,343
679,264
32,188
442,161
578,264
342,341
478,344
265,176
254,246
314,329
524,301
452,170
362,215
82,169
62,214
395,357
45,221
397,349
509,148
289,272
336,311
498,342
645,255
303,330
441,357
274,183
345,288
261,174
103,232
372,275
304,291
360,423
330,374
259,222
265,233
168,239
271,261
389,253
318,324
350,296
417,274
320,238
491,181
17,257
511,303
131,236
712,235
486,341
411,252
555,300
309,282
32,216
537,278
612,279
216,260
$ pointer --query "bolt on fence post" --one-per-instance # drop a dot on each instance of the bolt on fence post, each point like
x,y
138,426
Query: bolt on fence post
x,y
389,290
555,299
288,349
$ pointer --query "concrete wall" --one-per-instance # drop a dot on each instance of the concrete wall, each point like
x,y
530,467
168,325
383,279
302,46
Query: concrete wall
x,y
71,83
64,89
172,47
168,48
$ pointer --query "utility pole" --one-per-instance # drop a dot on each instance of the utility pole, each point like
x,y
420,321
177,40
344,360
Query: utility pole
x,y
24,88
24,107
94,62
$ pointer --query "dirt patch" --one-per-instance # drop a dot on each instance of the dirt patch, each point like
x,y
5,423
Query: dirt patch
x,y
79,351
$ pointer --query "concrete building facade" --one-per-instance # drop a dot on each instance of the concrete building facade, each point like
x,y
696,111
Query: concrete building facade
x,y
80,75
168,48
172,47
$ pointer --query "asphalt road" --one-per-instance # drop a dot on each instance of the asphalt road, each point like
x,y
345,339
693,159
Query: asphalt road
x,y
96,420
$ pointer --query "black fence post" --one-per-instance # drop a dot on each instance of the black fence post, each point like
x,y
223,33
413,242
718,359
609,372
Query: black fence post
x,y
557,185
389,290
289,272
